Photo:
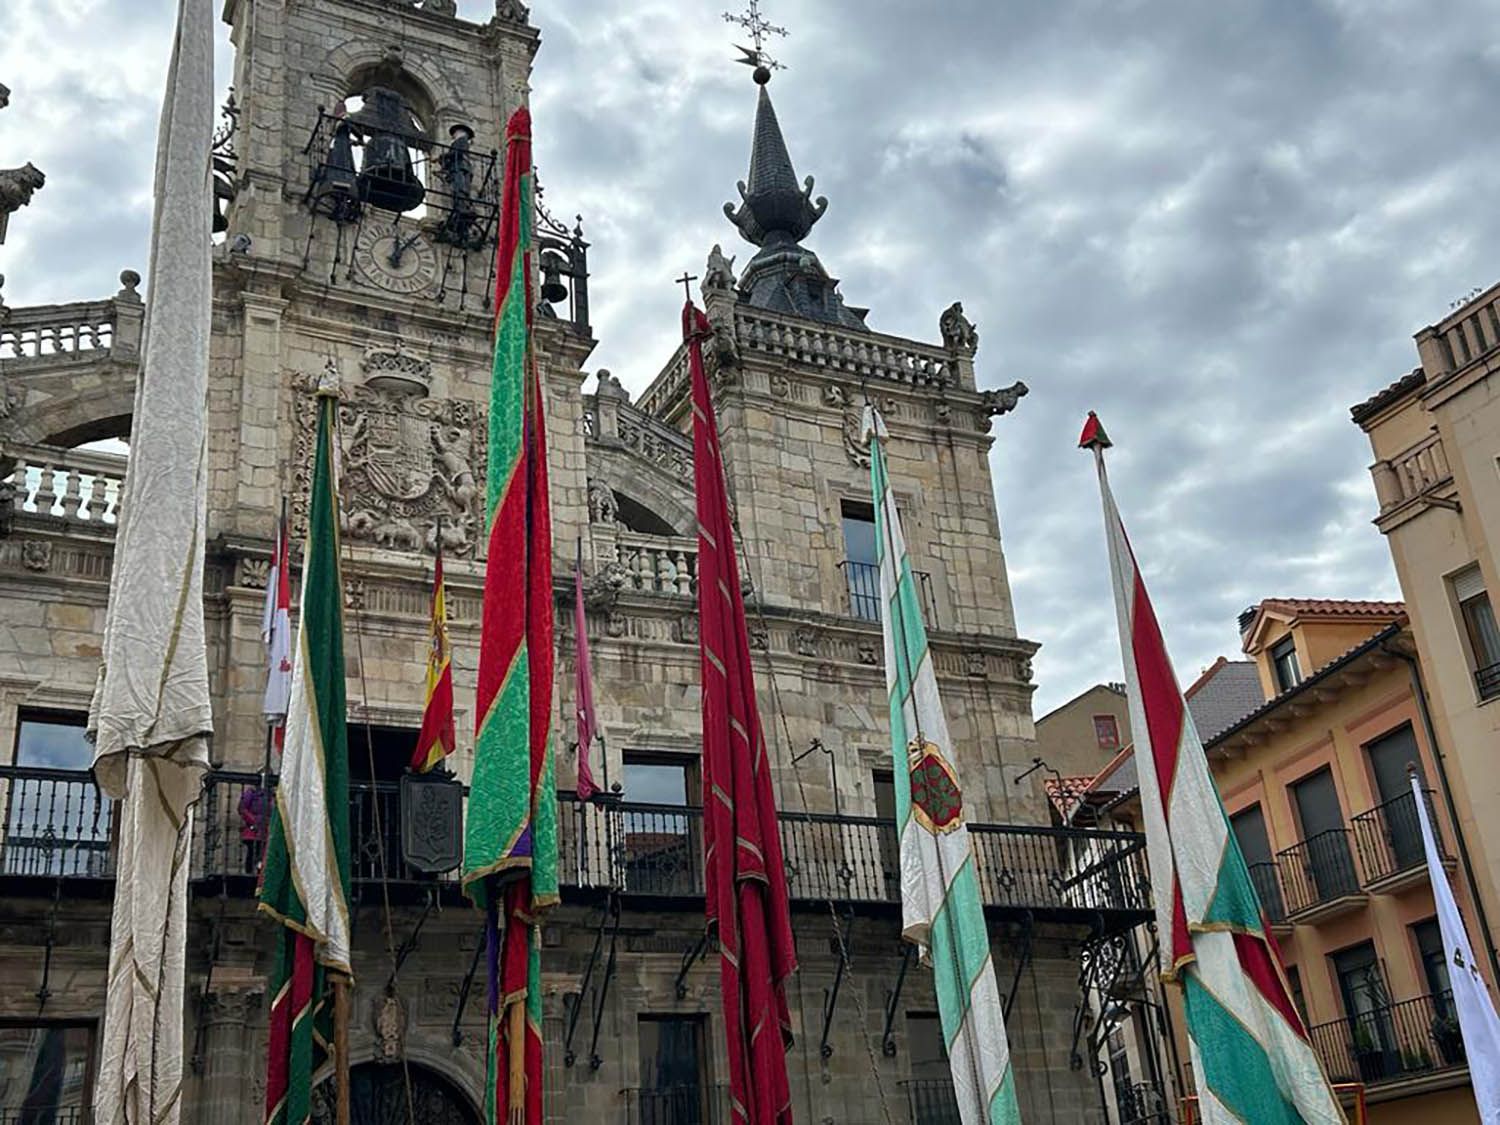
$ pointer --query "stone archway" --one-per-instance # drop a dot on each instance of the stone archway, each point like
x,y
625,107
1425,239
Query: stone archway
x,y
378,1097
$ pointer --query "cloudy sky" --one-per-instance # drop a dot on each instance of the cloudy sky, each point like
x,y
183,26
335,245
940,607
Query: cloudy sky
x,y
1216,224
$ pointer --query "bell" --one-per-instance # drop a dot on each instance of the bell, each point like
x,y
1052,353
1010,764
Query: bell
x,y
553,289
335,187
386,180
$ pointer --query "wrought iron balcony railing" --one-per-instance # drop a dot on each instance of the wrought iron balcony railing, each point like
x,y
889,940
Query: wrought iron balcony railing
x,y
690,1104
863,580
1392,1041
1266,878
1318,871
1487,681
58,825
1389,838
931,1101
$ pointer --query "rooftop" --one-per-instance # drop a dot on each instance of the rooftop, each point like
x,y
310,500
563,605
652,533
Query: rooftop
x,y
1377,402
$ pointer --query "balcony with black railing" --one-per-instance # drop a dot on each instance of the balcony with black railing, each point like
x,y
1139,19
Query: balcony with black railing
x,y
1319,877
931,1101
863,582
57,826
1266,879
677,1105
1389,841
1487,681
1392,1042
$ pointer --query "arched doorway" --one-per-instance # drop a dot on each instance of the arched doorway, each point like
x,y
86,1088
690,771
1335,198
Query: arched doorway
x,y
377,1096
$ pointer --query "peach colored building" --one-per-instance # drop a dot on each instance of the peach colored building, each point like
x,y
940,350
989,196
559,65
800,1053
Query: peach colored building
x,y
1315,782
1435,434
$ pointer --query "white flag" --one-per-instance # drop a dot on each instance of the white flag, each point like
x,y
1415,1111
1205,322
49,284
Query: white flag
x,y
152,715
1476,1011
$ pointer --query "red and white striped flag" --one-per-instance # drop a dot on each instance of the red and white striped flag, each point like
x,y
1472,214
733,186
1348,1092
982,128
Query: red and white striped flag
x,y
1251,1055
276,632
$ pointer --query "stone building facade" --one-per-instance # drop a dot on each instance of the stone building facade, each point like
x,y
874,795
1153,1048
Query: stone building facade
x,y
314,275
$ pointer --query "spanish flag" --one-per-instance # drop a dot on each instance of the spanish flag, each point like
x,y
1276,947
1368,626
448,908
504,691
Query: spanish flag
x,y
435,741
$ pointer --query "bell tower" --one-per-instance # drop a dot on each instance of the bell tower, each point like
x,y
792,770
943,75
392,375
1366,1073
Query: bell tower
x,y
361,191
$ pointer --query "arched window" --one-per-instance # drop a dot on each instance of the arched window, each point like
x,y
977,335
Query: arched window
x,y
377,1096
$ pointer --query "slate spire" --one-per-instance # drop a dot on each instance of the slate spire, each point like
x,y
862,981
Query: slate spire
x,y
773,207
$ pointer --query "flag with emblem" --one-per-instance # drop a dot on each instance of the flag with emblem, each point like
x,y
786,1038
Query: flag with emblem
x,y
510,837
435,739
744,875
1252,1059
305,881
941,909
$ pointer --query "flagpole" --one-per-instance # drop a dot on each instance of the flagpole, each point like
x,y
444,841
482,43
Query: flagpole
x,y
281,550
341,1046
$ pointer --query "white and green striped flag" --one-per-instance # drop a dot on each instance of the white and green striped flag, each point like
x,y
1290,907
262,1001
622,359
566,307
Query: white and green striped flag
x,y
941,911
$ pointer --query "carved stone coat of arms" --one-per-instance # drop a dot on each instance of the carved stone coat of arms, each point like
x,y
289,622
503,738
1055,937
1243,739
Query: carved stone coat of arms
x,y
408,463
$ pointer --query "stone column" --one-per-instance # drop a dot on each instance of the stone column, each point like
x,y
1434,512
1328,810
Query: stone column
x,y
230,1066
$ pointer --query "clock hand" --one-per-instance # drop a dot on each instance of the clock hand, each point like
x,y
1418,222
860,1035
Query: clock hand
x,y
400,246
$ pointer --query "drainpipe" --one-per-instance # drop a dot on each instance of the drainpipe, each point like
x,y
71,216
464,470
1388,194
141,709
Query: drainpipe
x,y
1420,691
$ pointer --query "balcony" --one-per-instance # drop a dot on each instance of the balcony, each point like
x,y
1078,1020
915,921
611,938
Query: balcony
x,y
863,583
931,1101
678,1105
58,827
1266,879
1392,1043
1487,681
1319,877
1389,841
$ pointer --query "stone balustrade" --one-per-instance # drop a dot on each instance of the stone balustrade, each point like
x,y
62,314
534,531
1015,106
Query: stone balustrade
x,y
76,331
1472,330
72,485
1411,474
857,355
658,565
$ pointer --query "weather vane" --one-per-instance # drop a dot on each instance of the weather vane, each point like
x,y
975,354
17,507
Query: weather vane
x,y
758,27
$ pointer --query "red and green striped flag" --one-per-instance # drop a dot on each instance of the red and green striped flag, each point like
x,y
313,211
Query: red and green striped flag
x,y
305,881
510,838
1252,1058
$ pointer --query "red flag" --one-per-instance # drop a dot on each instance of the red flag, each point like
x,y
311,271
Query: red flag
x,y
583,686
436,738
744,875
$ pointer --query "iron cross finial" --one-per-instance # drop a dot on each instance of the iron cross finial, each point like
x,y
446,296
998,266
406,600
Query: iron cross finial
x,y
686,281
758,27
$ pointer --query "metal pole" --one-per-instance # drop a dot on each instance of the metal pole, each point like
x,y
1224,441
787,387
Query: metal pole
x,y
341,1045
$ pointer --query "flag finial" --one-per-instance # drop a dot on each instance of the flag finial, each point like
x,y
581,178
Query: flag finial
x,y
1093,436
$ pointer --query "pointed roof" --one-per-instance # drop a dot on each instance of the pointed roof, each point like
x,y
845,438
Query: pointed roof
x,y
773,207
776,213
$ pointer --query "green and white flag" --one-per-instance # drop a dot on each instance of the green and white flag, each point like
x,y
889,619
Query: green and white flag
x,y
941,911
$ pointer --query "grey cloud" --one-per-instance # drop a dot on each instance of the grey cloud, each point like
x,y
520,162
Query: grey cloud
x,y
1217,224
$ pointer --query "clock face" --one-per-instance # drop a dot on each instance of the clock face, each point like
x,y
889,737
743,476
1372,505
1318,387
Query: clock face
x,y
396,260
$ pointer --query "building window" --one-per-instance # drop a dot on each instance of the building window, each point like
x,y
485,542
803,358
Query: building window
x,y
1367,1001
673,1090
56,820
1107,732
861,562
44,1071
662,850
1429,939
1479,625
1284,661
378,756
929,1090
884,783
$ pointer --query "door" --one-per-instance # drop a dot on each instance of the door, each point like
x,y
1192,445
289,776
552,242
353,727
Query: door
x,y
662,853
672,1090
1368,1008
929,1090
1255,845
1326,858
1399,826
